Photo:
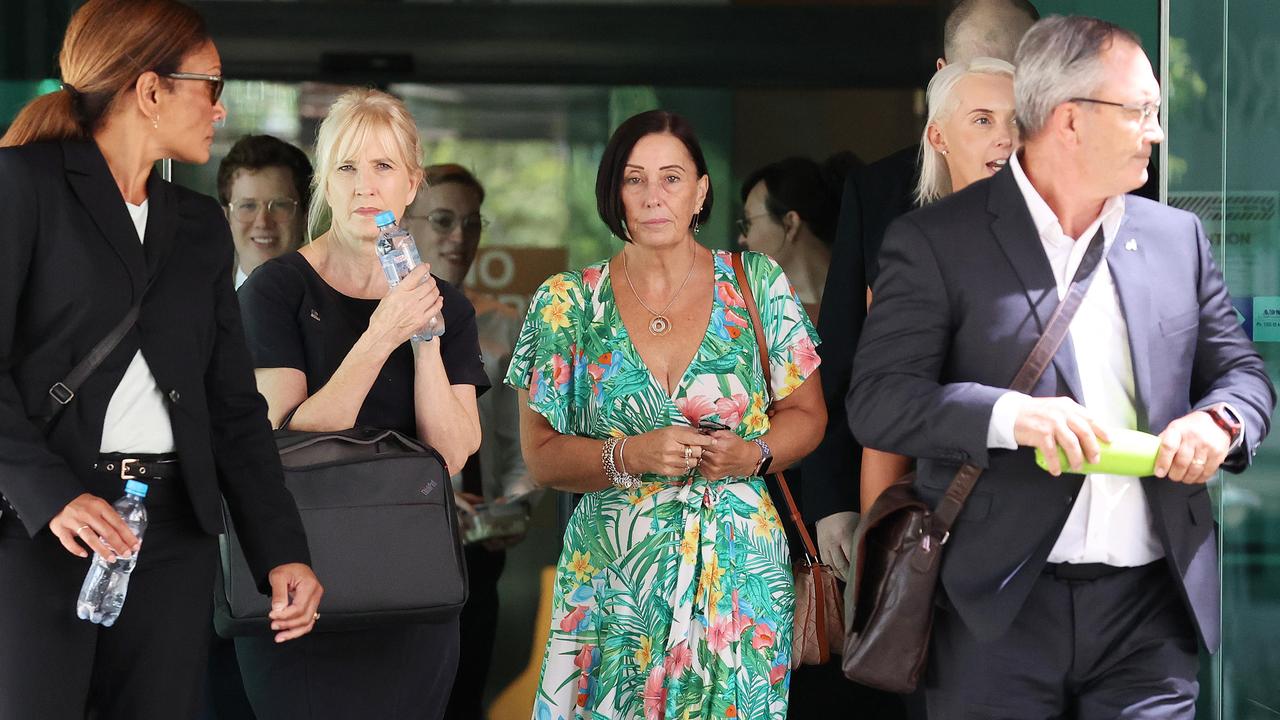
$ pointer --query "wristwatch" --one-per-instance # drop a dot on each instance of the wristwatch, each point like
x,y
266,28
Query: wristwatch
x,y
1227,419
766,457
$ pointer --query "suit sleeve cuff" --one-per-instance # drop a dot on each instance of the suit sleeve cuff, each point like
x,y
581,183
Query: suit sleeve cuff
x,y
1003,416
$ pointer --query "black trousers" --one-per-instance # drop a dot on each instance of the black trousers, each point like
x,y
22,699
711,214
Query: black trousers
x,y
478,627
149,665
395,672
1121,646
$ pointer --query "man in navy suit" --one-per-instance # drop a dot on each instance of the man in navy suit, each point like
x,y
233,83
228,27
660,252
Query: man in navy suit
x,y
1063,594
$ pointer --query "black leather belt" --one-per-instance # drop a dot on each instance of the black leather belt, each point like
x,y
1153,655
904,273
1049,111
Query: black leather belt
x,y
139,467
1083,571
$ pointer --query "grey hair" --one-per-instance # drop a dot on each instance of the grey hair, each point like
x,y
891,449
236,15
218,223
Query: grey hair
x,y
935,179
1060,58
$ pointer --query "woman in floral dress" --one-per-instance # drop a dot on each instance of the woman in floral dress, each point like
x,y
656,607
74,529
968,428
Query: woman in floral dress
x,y
672,598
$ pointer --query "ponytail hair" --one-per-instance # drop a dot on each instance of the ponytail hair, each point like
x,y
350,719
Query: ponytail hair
x,y
108,44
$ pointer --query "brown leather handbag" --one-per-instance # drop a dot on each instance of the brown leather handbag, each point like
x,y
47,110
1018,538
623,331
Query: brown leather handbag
x,y
818,625
897,547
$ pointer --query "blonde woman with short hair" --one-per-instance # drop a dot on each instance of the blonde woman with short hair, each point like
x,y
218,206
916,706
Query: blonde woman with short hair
x,y
971,131
332,343
969,136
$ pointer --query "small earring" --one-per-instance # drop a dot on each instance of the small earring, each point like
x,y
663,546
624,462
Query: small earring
x,y
155,122
697,227
944,152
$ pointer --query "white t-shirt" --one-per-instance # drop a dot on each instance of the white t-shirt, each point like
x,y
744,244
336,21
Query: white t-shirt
x,y
137,419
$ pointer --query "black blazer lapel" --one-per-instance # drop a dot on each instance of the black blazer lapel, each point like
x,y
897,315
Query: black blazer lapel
x,y
1131,273
91,180
1016,233
162,224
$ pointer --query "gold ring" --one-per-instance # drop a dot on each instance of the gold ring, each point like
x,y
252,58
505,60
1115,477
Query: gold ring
x,y
687,464
315,616
82,527
688,451
1198,461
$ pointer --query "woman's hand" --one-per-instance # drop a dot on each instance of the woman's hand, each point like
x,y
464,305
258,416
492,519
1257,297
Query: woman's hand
x,y
406,309
93,521
728,456
662,451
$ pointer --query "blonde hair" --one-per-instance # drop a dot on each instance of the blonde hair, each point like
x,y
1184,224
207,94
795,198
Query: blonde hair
x,y
935,179
108,44
350,120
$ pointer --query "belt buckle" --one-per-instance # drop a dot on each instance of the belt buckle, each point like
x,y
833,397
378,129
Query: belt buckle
x,y
126,473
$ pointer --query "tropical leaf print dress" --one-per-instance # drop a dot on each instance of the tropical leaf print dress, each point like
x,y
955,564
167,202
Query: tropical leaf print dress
x,y
673,600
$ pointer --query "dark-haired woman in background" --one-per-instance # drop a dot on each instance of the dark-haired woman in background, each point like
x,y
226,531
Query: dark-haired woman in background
x,y
264,185
87,228
642,388
790,209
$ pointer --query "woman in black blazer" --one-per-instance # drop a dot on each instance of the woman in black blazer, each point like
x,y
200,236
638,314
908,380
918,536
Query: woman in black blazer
x,y
87,230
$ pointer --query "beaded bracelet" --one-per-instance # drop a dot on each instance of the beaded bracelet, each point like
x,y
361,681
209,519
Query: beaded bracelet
x,y
620,480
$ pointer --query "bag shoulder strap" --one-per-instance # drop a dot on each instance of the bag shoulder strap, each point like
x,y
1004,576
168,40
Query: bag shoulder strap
x,y
1033,367
745,288
64,391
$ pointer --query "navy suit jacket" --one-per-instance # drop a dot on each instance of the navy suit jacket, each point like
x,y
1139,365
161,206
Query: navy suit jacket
x,y
964,292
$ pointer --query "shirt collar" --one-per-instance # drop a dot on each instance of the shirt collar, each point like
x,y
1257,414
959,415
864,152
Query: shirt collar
x,y
1046,222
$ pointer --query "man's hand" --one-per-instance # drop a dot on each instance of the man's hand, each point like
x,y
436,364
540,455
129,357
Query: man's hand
x,y
835,541
1191,449
295,595
1050,423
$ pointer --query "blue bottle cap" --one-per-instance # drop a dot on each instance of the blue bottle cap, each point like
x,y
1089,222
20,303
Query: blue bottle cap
x,y
385,218
134,487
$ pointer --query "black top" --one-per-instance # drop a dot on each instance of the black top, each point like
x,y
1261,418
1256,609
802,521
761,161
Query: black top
x,y
293,318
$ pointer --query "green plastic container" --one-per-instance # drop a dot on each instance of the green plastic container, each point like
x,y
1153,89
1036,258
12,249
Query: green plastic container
x,y
1129,453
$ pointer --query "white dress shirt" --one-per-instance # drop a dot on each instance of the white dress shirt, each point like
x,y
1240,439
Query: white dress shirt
x,y
137,419
1110,521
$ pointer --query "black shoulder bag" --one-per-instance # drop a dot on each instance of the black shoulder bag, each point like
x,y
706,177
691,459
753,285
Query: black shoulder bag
x,y
382,527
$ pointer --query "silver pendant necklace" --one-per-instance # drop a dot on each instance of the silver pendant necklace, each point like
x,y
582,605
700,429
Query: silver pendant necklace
x,y
660,324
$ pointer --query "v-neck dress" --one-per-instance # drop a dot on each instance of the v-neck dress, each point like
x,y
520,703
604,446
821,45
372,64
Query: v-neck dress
x,y
674,600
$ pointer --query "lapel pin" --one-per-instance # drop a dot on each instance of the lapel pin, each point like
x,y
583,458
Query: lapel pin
x,y
1131,245
316,316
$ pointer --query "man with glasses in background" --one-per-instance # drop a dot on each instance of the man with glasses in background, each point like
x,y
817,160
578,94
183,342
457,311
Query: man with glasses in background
x,y
264,185
446,222
1065,593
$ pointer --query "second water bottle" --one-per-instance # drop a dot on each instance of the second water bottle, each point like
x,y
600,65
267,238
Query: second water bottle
x,y
398,254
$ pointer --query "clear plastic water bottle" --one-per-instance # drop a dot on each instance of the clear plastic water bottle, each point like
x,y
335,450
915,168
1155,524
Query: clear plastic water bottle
x,y
104,589
398,254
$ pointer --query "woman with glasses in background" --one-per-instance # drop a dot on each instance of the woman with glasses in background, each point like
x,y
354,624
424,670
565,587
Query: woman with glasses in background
x,y
89,230
789,210
261,184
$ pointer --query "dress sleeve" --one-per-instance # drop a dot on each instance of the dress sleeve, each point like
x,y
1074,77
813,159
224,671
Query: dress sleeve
x,y
792,341
269,302
543,361
460,344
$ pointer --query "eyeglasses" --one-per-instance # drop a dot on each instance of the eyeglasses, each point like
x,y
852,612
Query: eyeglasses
x,y
744,223
444,221
215,83
280,209
1145,111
